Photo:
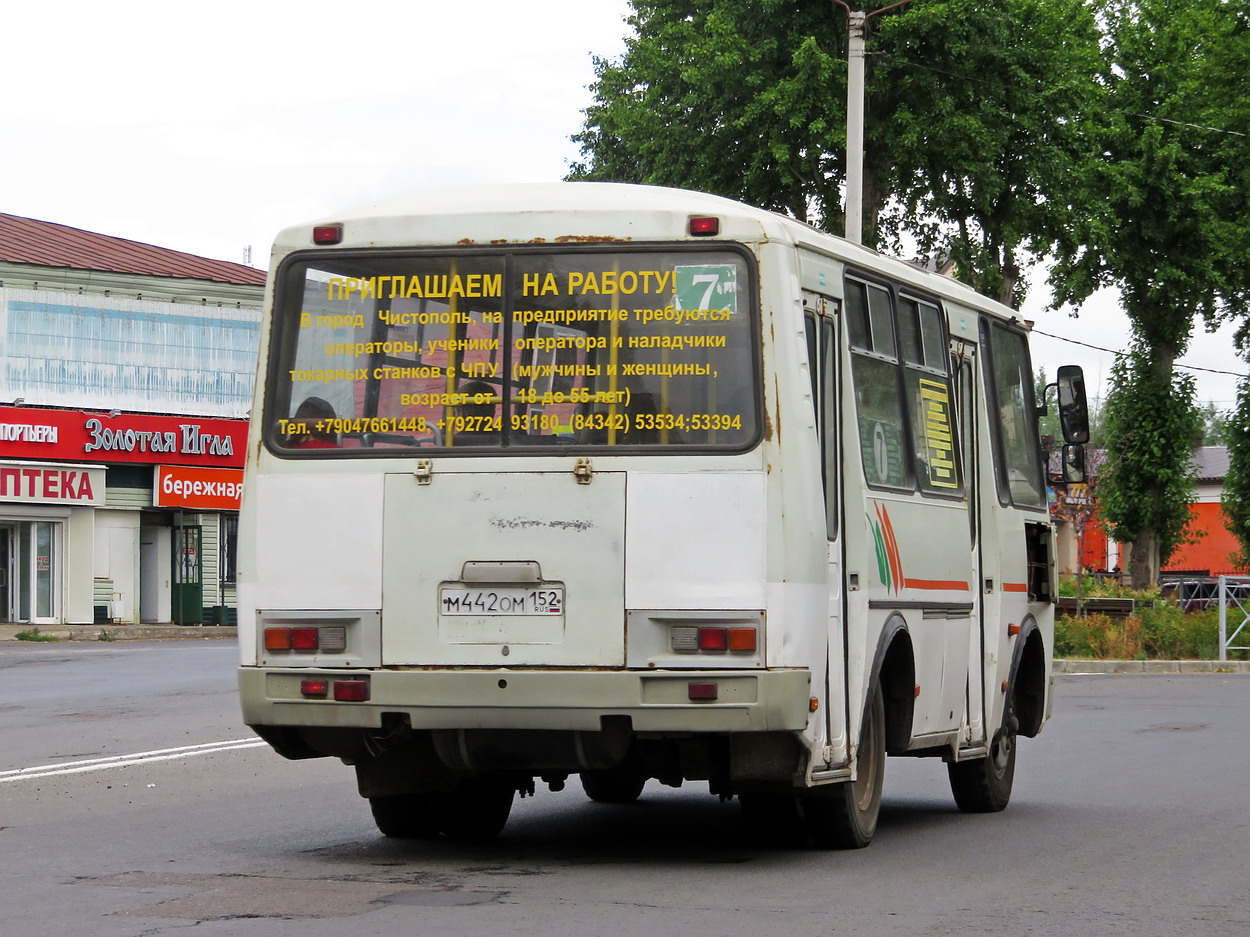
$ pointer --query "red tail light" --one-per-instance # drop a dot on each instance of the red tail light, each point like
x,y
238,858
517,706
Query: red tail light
x,y
314,689
713,639
303,639
351,691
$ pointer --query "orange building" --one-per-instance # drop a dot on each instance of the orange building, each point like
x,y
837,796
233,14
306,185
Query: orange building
x,y
1211,552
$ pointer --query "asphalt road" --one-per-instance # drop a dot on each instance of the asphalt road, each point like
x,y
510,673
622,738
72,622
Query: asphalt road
x,y
1129,817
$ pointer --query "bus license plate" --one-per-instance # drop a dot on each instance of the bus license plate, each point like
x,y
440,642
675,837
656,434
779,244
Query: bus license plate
x,y
502,600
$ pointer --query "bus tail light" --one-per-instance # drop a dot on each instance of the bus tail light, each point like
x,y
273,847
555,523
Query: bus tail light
x,y
692,638
277,639
701,691
304,639
713,639
351,691
330,639
704,227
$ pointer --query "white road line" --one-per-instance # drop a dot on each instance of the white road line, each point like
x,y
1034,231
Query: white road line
x,y
125,761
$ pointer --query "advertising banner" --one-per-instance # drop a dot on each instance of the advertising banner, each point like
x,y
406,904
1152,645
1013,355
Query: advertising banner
x,y
77,436
51,484
197,489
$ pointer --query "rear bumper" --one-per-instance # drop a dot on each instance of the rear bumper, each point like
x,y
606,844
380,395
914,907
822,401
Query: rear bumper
x,y
755,701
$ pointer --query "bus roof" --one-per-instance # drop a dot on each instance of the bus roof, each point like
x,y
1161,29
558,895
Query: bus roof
x,y
598,212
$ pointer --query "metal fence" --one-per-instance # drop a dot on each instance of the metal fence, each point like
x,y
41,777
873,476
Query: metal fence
x,y
1234,593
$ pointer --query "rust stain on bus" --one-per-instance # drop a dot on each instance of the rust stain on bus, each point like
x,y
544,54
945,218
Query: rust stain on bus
x,y
590,239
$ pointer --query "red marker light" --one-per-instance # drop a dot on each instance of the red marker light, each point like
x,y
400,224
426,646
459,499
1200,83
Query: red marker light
x,y
704,227
351,691
701,691
327,234
314,689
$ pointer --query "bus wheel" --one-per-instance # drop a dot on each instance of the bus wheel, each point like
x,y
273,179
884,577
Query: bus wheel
x,y
478,809
983,785
773,820
613,787
845,817
408,816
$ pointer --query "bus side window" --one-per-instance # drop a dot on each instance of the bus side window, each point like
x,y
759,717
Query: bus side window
x,y
829,396
878,397
965,430
1017,455
927,376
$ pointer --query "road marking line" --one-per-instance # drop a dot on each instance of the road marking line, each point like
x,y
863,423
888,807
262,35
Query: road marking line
x,y
125,761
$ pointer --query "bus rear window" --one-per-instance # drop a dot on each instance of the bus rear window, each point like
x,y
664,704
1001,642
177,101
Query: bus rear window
x,y
478,351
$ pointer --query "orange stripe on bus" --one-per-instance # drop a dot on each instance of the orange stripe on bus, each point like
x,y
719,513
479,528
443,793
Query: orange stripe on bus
x,y
1015,587
946,585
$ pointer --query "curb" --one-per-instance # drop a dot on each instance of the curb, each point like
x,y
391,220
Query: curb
x,y
1149,666
107,633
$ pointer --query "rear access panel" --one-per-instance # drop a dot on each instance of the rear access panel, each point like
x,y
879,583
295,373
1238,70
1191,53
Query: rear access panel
x,y
506,569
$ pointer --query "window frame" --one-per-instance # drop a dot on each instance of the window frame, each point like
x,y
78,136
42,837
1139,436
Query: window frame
x,y
287,304
904,372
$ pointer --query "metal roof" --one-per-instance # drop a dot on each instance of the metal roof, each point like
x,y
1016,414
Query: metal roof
x,y
46,244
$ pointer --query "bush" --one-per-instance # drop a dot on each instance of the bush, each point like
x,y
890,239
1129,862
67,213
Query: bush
x,y
1099,637
1161,631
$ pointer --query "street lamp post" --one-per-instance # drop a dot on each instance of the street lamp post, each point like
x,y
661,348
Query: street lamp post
x,y
856,30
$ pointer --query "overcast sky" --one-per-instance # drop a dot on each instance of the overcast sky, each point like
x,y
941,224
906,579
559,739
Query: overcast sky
x,y
209,127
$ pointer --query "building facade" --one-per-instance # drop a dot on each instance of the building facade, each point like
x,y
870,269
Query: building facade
x,y
1209,549
127,374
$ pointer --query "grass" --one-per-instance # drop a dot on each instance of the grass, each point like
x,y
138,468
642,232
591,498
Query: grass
x,y
34,634
1158,630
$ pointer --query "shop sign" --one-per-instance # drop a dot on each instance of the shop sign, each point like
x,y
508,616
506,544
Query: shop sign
x,y
75,435
199,489
51,484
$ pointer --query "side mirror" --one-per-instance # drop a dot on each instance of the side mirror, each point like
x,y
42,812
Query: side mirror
x,y
1073,464
1073,408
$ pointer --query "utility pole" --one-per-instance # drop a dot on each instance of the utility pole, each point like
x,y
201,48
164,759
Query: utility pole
x,y
856,32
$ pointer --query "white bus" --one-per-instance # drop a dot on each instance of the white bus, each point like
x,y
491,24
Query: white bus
x,y
636,483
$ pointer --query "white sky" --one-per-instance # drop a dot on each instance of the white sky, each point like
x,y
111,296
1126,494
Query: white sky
x,y
209,127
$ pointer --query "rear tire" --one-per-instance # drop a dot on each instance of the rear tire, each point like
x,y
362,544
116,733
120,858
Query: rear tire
x,y
477,810
845,817
983,785
612,787
773,820
409,816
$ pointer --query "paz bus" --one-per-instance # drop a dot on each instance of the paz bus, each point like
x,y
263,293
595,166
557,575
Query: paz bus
x,y
634,483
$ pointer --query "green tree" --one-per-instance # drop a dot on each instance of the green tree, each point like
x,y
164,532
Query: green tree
x,y
1164,223
1236,496
1147,481
972,117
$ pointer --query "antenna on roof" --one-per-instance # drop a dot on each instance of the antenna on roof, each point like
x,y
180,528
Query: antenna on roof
x,y
247,255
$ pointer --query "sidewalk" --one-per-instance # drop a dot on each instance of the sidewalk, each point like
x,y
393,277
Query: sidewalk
x,y
121,632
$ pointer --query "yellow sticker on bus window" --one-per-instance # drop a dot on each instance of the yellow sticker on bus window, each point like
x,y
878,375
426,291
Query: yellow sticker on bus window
x,y
935,418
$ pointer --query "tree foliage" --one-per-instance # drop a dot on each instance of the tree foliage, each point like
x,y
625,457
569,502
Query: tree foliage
x,y
1236,497
1167,202
1147,480
972,118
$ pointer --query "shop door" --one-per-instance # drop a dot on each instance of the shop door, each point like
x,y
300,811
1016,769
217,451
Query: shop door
x,y
188,585
6,574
